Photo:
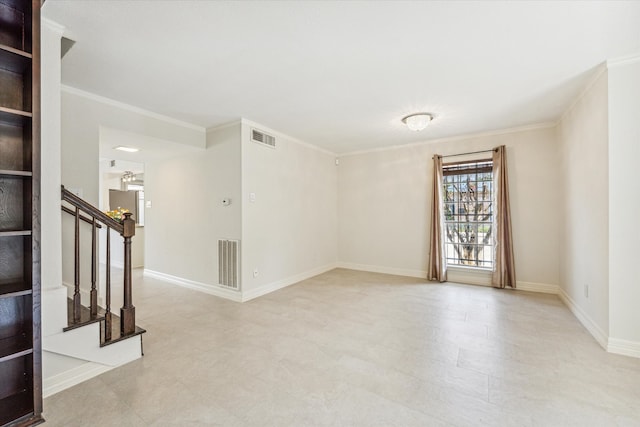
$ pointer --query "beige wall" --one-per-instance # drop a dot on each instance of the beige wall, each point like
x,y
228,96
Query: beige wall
x,y
80,172
384,203
290,229
583,141
187,216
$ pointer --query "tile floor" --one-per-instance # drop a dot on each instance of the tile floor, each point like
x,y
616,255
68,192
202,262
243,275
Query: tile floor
x,y
349,348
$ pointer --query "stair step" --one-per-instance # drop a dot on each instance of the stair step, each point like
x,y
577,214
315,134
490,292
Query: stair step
x,y
85,316
115,332
86,319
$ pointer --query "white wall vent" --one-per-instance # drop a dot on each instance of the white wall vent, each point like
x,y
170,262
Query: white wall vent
x,y
229,263
263,138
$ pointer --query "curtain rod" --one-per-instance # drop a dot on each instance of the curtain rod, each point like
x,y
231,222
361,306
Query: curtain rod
x,y
471,152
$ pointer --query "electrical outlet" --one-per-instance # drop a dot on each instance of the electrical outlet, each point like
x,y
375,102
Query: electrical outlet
x,y
255,272
586,291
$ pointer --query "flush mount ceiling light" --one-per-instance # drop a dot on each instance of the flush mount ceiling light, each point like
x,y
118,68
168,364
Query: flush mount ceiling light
x,y
417,121
127,149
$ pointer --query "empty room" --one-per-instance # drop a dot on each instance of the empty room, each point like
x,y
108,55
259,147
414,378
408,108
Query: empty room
x,y
319,213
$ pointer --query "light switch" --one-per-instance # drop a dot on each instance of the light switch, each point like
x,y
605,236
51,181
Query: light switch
x,y
252,197
147,204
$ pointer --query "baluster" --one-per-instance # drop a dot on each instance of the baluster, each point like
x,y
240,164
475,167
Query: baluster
x,y
128,311
107,315
76,276
94,249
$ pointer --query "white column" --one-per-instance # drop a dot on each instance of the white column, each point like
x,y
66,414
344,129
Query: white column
x,y
54,294
624,205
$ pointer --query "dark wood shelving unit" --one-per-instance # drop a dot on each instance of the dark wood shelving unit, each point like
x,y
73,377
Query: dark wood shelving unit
x,y
14,117
20,342
15,233
11,290
14,405
15,173
12,51
15,346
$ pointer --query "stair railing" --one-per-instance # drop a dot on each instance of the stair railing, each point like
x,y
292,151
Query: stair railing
x,y
84,211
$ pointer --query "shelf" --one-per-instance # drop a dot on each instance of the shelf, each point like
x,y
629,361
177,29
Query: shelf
x,y
10,290
13,347
10,233
14,60
20,319
21,6
14,117
23,174
15,406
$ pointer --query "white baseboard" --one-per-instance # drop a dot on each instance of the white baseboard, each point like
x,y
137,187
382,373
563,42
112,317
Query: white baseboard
x,y
611,345
73,376
585,319
544,288
274,286
70,289
456,275
215,290
624,347
384,270
118,264
238,296
85,295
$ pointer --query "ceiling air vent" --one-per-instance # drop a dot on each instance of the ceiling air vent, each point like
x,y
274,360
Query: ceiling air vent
x,y
263,138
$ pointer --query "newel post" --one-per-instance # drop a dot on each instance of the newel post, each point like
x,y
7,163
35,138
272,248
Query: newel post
x,y
128,311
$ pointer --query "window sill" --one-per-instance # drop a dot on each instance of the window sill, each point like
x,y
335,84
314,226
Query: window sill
x,y
470,269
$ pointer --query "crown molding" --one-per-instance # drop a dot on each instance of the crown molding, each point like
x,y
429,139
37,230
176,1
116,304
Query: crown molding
x,y
54,26
600,70
288,137
623,60
534,126
118,104
232,123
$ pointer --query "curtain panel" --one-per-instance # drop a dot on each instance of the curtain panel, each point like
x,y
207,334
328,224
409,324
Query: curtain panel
x,y
437,262
504,272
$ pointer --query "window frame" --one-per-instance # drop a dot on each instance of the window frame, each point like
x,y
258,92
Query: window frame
x,y
462,235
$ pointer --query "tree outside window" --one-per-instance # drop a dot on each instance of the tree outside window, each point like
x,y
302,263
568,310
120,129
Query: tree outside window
x,y
468,213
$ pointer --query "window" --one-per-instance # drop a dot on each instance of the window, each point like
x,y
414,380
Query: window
x,y
468,213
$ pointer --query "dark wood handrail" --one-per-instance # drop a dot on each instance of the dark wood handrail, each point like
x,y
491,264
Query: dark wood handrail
x,y
82,218
91,210
127,229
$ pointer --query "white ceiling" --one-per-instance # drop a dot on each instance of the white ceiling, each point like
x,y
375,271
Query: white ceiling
x,y
341,75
